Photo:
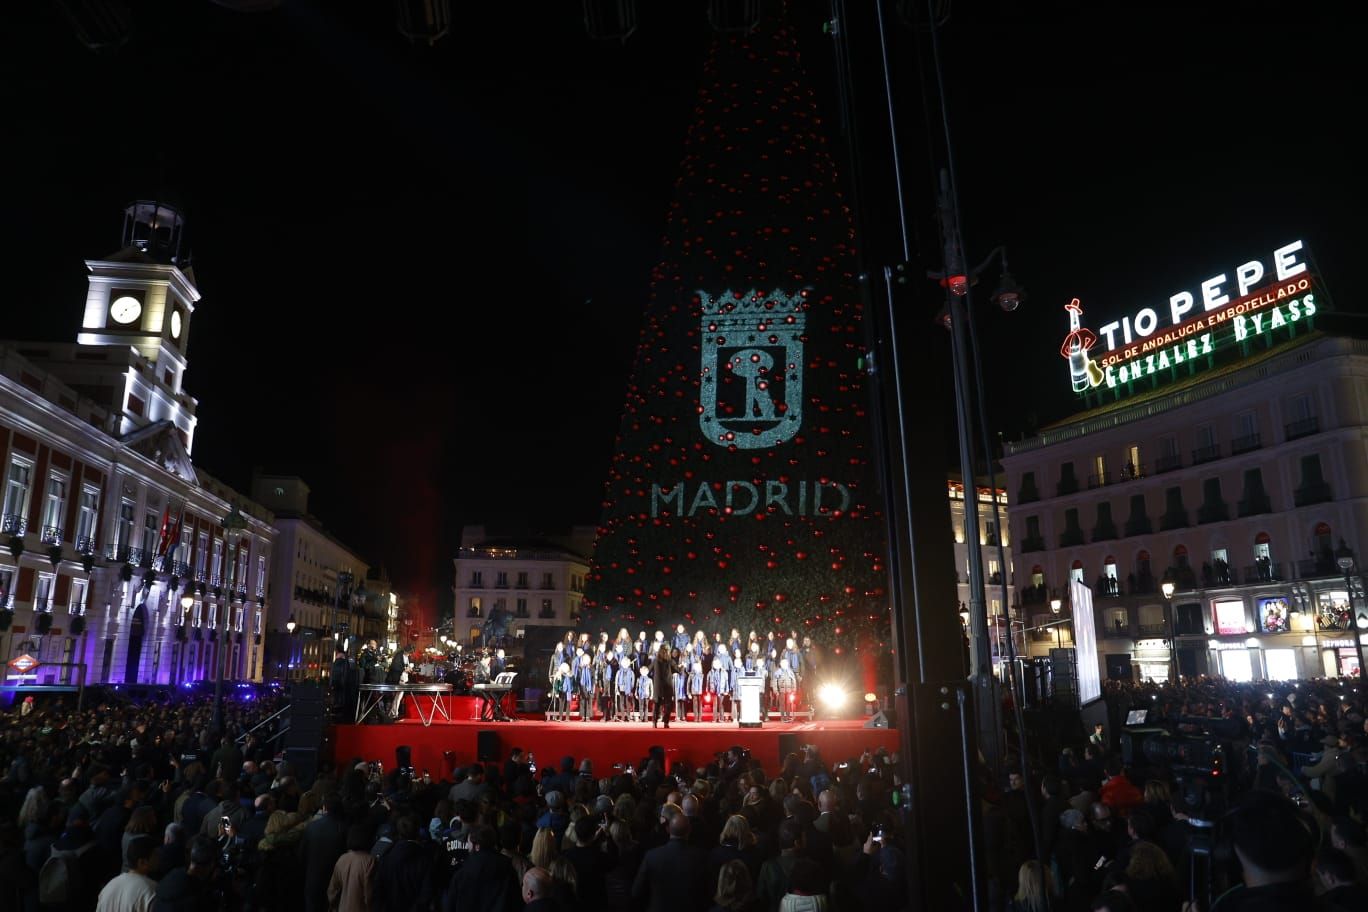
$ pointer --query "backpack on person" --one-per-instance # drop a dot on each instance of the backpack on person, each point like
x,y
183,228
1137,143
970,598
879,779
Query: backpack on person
x,y
59,880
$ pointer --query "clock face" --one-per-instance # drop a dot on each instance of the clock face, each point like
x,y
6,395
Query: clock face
x,y
125,309
175,324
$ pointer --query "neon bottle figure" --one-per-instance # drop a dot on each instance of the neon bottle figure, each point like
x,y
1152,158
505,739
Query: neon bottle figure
x,y
1075,348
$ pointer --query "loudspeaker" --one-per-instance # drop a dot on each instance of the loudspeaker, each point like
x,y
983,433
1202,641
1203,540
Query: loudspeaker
x,y
789,743
878,720
403,757
307,715
487,746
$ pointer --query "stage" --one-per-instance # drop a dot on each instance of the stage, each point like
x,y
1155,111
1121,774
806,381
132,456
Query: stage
x,y
604,743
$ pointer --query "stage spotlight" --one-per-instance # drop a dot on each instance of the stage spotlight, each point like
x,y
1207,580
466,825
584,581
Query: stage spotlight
x,y
833,696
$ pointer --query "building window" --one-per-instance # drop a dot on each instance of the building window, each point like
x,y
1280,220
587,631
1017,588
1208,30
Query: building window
x,y
1076,571
1100,469
87,518
124,530
202,555
521,606
475,606
1068,482
42,598
54,509
218,561
1110,575
1263,567
546,610
150,530
1314,488
1169,455
522,579
78,597
501,579
1132,467
17,494
261,575
476,579
1027,492
548,581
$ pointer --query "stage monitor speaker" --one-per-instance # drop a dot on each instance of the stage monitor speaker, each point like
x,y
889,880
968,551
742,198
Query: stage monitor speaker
x,y
487,746
878,720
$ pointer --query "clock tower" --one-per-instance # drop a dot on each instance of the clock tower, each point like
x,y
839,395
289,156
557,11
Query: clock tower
x,y
140,303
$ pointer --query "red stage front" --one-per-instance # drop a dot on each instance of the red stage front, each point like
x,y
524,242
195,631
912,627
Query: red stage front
x,y
604,743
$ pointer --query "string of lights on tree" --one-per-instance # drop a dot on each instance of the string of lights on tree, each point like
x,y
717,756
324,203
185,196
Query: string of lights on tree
x,y
741,492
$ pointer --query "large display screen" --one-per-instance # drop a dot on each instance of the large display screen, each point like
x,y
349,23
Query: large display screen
x,y
1230,617
1085,641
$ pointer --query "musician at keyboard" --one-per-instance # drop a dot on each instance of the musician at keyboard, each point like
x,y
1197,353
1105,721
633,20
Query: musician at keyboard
x,y
491,694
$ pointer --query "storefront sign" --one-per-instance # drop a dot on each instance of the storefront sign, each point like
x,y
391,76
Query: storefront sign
x,y
1230,308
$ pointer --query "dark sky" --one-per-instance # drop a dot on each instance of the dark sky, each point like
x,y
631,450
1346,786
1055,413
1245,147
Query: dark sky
x,y
423,268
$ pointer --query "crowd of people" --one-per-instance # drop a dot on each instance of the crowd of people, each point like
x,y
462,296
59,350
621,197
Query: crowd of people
x,y
1218,795
140,808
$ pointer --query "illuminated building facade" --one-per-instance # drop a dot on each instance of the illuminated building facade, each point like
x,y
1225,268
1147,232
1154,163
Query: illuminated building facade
x,y
996,567
534,581
315,579
106,522
1238,476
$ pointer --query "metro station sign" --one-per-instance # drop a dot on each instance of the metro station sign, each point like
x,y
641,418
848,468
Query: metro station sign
x,y
23,664
1232,311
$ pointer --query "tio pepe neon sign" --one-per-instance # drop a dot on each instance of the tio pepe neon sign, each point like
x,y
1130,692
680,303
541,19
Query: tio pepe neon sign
x,y
1200,322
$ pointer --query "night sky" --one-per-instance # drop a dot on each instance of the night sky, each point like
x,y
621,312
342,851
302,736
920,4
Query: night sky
x,y
423,268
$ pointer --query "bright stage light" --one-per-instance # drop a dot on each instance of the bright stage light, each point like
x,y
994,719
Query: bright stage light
x,y
833,696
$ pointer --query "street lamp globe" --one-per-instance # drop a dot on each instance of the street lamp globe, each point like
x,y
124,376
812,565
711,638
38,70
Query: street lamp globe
x,y
187,602
1168,587
290,625
1055,605
1344,556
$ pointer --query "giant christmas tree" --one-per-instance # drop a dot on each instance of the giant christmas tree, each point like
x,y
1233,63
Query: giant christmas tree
x,y
742,492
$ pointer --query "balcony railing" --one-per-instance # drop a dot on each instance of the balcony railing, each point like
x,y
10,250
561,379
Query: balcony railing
x,y
474,612
1107,587
1304,427
1104,531
1174,519
1035,595
1153,630
51,535
117,553
1317,566
546,615
13,524
1032,543
1168,463
85,545
1206,454
1101,480
1255,504
138,557
1245,444
476,583
1263,573
1066,486
1311,494
1139,525
180,569
501,584
521,613
1027,494
1070,538
1212,512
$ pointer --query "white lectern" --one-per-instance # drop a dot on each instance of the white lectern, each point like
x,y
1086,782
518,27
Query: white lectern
x,y
751,688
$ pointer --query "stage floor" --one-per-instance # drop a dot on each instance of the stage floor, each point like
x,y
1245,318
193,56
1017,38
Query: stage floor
x,y
444,745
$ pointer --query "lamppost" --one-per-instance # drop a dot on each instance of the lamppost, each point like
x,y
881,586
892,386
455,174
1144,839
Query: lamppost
x,y
1344,556
187,602
1167,586
290,626
958,316
340,629
233,524
1055,605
